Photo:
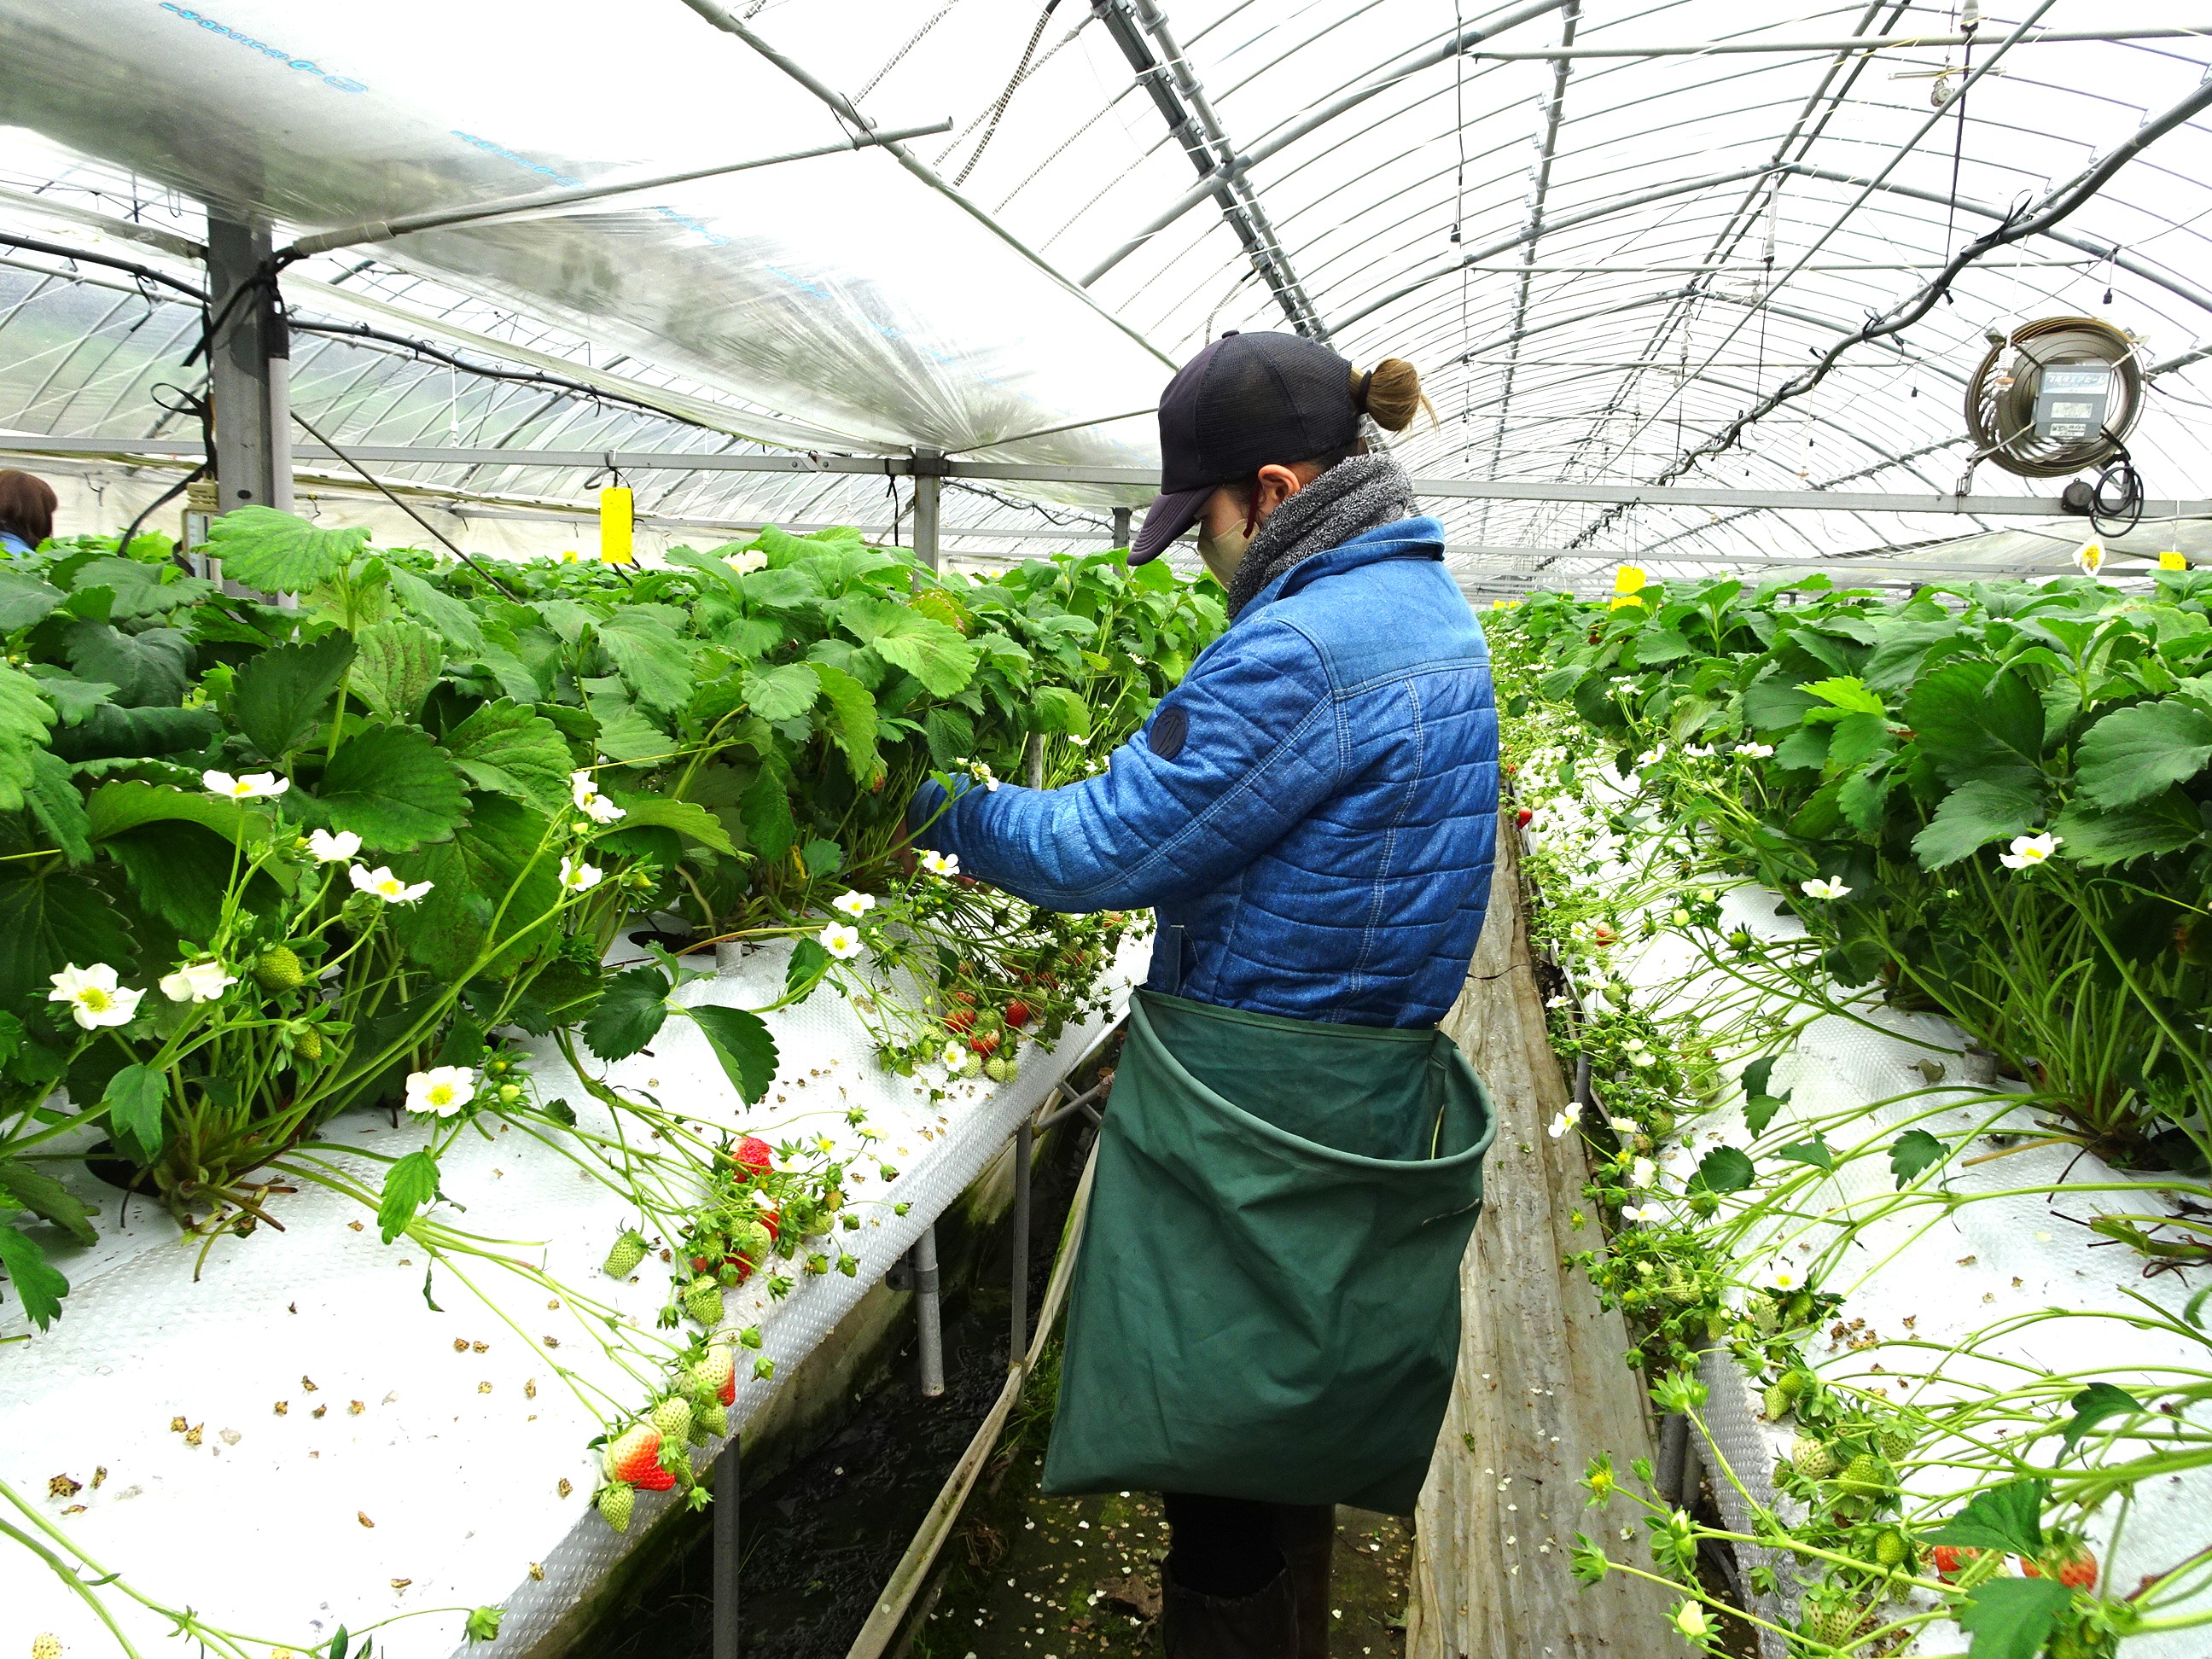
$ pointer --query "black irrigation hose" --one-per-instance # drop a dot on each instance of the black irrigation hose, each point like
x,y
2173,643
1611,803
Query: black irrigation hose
x,y
380,484
145,273
161,501
2022,223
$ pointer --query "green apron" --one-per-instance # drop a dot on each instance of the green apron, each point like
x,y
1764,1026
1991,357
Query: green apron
x,y
1265,1302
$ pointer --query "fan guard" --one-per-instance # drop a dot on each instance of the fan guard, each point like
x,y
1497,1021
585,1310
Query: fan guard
x,y
2069,395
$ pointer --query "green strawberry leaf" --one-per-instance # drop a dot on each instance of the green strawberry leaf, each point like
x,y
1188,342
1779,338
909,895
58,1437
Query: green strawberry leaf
x,y
279,695
279,552
687,818
52,795
809,962
449,616
134,1101
1915,1150
147,669
408,1186
654,660
1973,815
1759,1104
2012,1618
509,749
778,694
40,1286
765,808
24,600
1816,1152
1723,1170
850,720
47,1198
394,788
741,1041
2135,753
2008,1518
2165,823
628,1014
932,652
399,663
2092,1406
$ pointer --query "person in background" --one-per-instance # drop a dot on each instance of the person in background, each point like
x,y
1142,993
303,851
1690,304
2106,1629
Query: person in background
x,y
1312,812
27,511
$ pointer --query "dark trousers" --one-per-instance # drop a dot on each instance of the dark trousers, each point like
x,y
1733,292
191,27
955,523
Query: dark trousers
x,y
1231,1547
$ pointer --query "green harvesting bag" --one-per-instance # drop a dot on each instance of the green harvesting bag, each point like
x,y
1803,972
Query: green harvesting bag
x,y
1266,1304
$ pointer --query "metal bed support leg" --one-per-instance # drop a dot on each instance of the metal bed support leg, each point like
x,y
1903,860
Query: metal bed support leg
x,y
928,1321
1018,1341
726,1552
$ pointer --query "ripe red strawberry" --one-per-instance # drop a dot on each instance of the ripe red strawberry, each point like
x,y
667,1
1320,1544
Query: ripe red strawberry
x,y
1951,1559
717,1375
965,998
2071,1565
985,1045
753,1157
1018,1013
960,1021
1522,818
635,1460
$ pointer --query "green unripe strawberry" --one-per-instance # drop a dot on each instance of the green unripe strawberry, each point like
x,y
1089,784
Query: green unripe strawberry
x,y
1865,1477
709,1421
702,1300
999,1070
614,1504
1897,1441
673,1417
308,1044
1813,1459
1793,1384
1890,1549
277,969
1777,1404
1833,1624
622,1259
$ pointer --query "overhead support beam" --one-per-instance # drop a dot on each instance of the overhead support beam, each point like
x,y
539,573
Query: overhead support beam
x,y
546,201
1856,43
1137,25
847,110
249,369
1718,496
1453,45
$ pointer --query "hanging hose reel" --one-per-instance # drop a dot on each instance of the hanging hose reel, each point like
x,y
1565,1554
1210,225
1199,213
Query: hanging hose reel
x,y
2057,396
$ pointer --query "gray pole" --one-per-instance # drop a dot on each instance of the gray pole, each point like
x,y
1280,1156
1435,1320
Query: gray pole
x,y
928,1316
726,1552
1017,1340
245,437
1121,526
930,467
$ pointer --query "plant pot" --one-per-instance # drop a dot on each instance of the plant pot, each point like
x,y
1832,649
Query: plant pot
x,y
1981,1066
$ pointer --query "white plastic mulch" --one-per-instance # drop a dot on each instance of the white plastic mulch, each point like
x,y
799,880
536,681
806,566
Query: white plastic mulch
x,y
360,1456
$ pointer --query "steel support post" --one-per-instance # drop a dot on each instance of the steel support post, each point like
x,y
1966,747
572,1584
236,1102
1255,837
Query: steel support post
x,y
1122,515
928,1316
249,370
930,471
726,1552
1018,1338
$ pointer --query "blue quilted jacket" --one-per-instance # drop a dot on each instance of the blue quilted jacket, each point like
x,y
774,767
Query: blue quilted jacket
x,y
1312,813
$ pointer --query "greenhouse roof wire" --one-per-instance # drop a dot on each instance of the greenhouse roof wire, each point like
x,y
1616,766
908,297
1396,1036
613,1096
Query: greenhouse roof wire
x,y
1600,257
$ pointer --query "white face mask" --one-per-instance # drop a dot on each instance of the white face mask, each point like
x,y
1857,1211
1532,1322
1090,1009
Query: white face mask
x,y
1224,553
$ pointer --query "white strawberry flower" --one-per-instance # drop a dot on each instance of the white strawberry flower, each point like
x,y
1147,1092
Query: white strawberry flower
x,y
1642,1058
1698,750
841,941
254,786
332,849
380,882
853,905
1782,1275
746,561
590,802
1645,1214
198,981
952,1057
2089,558
1754,751
1622,1126
980,771
1822,887
441,1090
1562,1121
1690,1620
1642,1173
2028,851
94,998
941,864
577,876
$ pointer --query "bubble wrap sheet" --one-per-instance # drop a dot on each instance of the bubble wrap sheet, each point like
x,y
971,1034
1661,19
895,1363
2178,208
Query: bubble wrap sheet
x,y
1943,1281
359,1455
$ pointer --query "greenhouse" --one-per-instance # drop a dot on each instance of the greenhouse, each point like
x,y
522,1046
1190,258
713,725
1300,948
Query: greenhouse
x,y
1019,828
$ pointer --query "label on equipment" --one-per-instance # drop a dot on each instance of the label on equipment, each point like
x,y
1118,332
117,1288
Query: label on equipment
x,y
2070,400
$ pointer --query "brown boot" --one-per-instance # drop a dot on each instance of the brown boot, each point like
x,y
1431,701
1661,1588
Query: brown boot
x,y
1260,1625
1306,1534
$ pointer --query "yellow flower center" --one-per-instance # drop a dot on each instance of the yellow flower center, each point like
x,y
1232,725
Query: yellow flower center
x,y
95,998
441,1094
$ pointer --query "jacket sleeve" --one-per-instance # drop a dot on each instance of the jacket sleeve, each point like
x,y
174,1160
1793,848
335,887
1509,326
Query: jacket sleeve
x,y
1232,759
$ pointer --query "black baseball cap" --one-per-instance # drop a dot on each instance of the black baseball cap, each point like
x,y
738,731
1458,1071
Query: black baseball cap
x,y
1245,402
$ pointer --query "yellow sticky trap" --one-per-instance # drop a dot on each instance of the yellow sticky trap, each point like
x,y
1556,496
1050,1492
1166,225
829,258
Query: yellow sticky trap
x,y
2173,561
616,521
1620,600
1629,579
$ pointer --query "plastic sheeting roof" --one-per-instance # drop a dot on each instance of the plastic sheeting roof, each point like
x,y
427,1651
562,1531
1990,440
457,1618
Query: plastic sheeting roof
x,y
1598,261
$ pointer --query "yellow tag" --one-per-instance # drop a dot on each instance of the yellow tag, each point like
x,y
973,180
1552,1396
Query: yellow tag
x,y
1621,599
616,521
1629,579
2173,561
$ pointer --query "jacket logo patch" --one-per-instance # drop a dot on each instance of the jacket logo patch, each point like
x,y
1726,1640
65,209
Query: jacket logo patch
x,y
1168,731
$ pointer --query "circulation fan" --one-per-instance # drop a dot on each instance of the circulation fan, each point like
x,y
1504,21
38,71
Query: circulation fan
x,y
2057,397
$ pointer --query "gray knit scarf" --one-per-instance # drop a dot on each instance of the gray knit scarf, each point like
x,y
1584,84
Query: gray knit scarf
x,y
1359,493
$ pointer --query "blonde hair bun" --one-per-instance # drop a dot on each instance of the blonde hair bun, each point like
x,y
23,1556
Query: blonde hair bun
x,y
1390,394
